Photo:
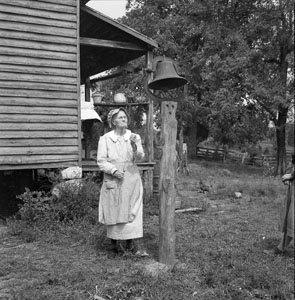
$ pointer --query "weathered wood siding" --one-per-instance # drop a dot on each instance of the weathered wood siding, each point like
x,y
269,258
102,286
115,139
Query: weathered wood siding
x,y
39,84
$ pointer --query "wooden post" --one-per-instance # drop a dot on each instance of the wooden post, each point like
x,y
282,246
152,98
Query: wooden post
x,y
150,116
167,183
88,123
87,90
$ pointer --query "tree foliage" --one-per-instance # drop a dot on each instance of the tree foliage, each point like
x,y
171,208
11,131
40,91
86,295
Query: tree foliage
x,y
237,56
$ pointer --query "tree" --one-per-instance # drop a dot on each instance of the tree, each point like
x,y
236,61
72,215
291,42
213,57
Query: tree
x,y
270,78
219,70
233,53
239,125
166,21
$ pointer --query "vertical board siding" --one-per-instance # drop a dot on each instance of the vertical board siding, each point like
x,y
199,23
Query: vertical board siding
x,y
39,84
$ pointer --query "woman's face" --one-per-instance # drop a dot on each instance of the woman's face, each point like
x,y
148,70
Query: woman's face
x,y
120,120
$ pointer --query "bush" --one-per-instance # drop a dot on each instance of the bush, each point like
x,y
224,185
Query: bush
x,y
73,203
36,206
76,203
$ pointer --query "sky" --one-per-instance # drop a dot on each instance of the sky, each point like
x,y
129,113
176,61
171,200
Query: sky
x,y
112,8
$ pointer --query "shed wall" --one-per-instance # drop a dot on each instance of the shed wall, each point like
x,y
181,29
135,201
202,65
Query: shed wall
x,y
39,84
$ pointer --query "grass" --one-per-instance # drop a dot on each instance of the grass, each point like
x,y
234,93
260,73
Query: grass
x,y
219,251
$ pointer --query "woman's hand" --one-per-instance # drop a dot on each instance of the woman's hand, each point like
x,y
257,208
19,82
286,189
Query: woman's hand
x,y
133,139
286,177
118,174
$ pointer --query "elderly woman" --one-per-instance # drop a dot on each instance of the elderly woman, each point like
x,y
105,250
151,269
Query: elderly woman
x,y
120,204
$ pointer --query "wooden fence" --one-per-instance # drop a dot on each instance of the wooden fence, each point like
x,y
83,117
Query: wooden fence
x,y
236,156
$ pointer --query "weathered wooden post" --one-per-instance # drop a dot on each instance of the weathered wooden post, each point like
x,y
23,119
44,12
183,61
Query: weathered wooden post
x,y
167,183
166,78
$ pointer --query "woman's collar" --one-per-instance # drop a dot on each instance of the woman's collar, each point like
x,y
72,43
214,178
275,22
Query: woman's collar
x,y
114,136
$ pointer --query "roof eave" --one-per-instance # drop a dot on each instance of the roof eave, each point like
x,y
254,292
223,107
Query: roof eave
x,y
83,2
150,43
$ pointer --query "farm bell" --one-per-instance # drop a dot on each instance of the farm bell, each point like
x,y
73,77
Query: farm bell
x,y
166,77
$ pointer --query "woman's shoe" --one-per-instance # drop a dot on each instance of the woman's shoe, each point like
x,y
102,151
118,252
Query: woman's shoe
x,y
130,246
114,251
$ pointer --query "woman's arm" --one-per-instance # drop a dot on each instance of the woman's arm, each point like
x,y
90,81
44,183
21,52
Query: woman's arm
x,y
102,156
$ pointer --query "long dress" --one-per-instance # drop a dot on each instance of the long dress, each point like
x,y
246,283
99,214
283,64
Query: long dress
x,y
120,203
286,224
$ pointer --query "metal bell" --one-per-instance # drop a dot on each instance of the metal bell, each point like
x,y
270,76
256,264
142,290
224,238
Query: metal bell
x,y
166,77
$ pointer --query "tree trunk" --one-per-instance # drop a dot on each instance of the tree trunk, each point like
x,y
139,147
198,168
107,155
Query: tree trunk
x,y
282,116
192,141
281,141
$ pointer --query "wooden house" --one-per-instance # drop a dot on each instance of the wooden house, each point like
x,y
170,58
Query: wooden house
x,y
48,48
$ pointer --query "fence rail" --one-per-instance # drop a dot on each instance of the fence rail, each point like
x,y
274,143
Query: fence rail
x,y
236,156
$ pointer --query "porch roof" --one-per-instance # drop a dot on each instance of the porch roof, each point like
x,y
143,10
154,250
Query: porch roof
x,y
106,43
